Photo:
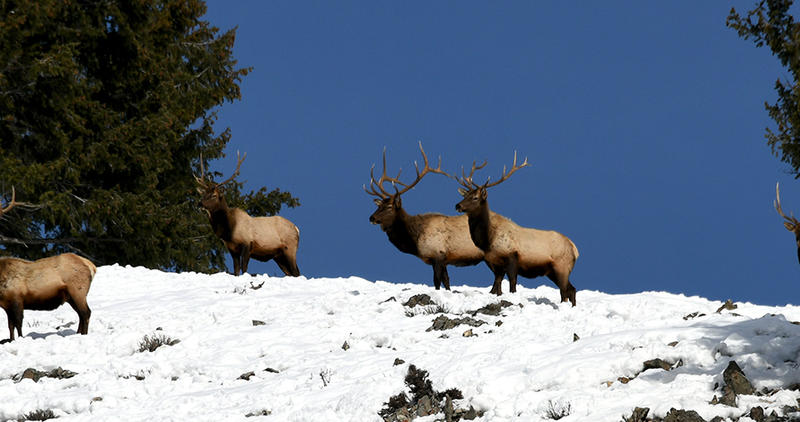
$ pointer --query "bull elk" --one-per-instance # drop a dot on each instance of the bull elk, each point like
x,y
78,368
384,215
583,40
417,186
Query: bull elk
x,y
790,222
511,249
44,285
438,240
245,237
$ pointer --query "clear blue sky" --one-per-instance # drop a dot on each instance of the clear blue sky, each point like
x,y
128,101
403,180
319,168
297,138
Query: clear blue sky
x,y
644,124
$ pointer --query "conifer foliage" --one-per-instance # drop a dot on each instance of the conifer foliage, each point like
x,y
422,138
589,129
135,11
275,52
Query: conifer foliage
x,y
769,23
106,107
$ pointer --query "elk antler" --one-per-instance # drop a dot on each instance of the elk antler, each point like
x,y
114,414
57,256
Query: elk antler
x,y
395,181
205,184
467,182
506,175
239,161
11,203
791,223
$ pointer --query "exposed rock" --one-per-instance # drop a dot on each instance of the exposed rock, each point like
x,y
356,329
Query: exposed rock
x,y
444,323
425,407
575,337
675,415
493,309
728,396
346,345
757,414
468,333
624,380
639,415
424,401
420,299
728,305
263,412
735,378
657,363
257,322
399,361
672,344
36,375
247,375
274,371
694,315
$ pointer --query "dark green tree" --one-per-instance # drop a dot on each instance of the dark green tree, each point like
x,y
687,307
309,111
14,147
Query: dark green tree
x,y
106,107
769,23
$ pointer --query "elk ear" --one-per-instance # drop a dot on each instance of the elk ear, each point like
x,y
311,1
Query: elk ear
x,y
462,191
377,201
397,202
789,226
484,194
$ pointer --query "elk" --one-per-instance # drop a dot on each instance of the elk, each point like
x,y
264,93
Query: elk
x,y
438,240
245,237
44,285
791,223
511,249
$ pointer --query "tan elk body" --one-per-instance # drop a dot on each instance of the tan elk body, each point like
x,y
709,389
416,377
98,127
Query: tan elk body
x,y
438,240
514,250
245,237
44,285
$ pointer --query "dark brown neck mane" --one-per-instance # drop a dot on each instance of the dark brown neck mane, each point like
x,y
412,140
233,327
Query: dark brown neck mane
x,y
220,221
479,226
400,234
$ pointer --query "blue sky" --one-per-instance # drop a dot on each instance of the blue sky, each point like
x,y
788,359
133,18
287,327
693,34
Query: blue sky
x,y
644,124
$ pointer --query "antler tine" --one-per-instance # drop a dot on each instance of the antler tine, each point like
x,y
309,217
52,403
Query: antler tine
x,y
201,180
380,193
11,204
420,174
466,181
239,161
395,181
790,221
507,174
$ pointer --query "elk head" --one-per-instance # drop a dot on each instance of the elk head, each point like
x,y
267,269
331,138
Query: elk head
x,y
790,222
212,197
474,194
389,204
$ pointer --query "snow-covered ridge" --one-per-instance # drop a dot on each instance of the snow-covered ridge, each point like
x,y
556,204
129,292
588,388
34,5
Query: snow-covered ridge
x,y
229,326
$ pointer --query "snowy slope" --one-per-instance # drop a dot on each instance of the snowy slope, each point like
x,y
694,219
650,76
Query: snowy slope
x,y
510,371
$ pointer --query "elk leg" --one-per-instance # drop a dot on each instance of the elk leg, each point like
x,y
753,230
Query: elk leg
x,y
288,265
246,256
443,277
566,288
497,287
11,324
84,313
437,283
236,262
14,315
511,270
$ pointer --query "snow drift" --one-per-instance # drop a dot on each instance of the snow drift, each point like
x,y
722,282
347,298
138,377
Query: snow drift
x,y
252,346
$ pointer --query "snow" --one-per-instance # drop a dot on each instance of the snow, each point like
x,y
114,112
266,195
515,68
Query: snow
x,y
511,371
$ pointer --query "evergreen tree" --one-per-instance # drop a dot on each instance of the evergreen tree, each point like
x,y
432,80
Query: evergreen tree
x,y
106,107
770,24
